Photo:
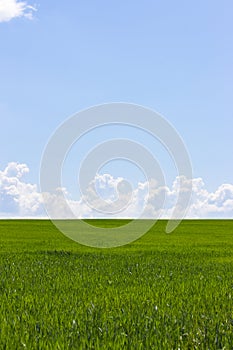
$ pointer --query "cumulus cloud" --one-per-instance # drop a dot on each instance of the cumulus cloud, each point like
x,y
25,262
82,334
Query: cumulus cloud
x,y
218,204
107,196
18,198
10,9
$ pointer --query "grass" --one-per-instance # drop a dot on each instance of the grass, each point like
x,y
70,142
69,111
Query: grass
x,y
161,292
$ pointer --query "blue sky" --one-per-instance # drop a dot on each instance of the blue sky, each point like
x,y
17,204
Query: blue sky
x,y
172,56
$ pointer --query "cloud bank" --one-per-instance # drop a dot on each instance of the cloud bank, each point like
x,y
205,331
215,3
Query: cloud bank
x,y
20,199
10,9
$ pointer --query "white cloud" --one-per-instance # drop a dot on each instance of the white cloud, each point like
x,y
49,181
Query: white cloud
x,y
10,9
19,198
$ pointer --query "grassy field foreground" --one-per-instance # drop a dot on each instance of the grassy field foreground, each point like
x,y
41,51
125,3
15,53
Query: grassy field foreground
x,y
161,292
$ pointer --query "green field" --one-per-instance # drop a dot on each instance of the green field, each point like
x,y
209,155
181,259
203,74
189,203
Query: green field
x,y
164,291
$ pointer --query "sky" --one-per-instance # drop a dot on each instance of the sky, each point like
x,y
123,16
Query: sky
x,y
57,58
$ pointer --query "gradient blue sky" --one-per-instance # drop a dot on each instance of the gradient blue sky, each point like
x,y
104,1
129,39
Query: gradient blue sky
x,y
172,56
